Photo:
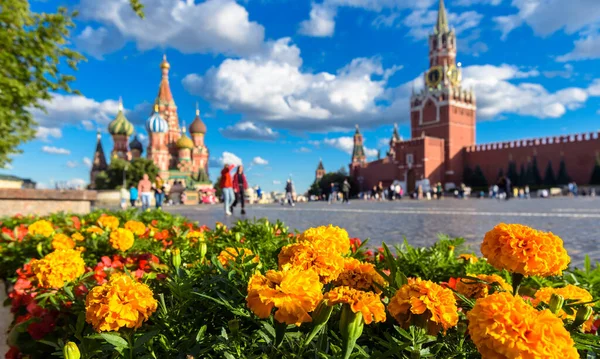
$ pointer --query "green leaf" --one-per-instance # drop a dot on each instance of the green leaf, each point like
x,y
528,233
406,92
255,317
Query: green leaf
x,y
116,341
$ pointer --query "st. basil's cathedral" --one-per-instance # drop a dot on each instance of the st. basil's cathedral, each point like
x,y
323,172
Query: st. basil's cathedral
x,y
177,156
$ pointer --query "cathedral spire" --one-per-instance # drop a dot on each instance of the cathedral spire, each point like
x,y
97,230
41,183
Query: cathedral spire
x,y
165,97
441,25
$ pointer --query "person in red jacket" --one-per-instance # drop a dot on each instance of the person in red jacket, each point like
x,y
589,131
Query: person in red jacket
x,y
227,187
239,187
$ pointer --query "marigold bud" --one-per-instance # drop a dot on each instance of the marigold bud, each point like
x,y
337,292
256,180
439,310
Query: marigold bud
x,y
203,249
71,351
234,326
583,314
351,328
176,258
556,303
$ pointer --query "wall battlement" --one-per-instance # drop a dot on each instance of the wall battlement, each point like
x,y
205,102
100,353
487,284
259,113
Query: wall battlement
x,y
532,142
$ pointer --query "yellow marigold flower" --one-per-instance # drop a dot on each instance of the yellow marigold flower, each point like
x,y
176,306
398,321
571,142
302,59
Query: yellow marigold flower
x,y
423,297
195,234
331,237
568,292
524,250
230,254
360,275
94,230
41,227
77,237
294,293
326,263
121,239
367,303
62,241
468,258
108,222
503,326
473,289
58,268
137,228
120,302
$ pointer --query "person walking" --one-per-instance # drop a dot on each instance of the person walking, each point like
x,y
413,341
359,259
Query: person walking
x,y
124,197
133,195
289,190
331,193
240,185
159,191
227,187
145,189
346,191
507,188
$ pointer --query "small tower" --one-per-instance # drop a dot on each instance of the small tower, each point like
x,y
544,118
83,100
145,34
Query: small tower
x,y
168,111
136,148
158,151
99,161
358,153
320,171
199,152
184,157
120,129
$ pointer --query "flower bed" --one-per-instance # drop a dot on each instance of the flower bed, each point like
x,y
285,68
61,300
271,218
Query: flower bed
x,y
152,285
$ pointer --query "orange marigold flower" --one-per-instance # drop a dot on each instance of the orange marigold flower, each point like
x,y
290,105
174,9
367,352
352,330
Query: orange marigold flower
x,y
62,241
77,237
326,263
94,230
360,275
473,289
568,292
41,227
504,326
121,239
331,237
294,293
57,268
469,258
367,303
137,228
524,250
231,254
121,302
423,297
196,234
108,222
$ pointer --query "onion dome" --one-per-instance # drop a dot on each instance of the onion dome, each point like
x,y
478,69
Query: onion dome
x,y
184,141
197,125
135,144
155,123
165,64
120,125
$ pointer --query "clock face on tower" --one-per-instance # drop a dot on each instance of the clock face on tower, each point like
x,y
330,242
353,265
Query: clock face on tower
x,y
434,76
453,75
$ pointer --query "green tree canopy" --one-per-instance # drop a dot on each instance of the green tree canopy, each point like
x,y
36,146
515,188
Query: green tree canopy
x,y
467,175
478,179
536,177
563,177
549,178
522,180
112,178
595,179
512,173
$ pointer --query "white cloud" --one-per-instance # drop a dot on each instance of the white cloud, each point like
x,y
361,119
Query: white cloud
x,y
497,95
56,150
346,144
260,161
303,150
227,158
476,2
76,183
247,130
142,137
586,48
213,26
594,88
421,22
44,133
7,166
276,182
272,88
566,73
72,164
471,44
87,162
548,16
321,22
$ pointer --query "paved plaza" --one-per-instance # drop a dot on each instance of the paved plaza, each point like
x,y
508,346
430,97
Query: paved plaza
x,y
575,220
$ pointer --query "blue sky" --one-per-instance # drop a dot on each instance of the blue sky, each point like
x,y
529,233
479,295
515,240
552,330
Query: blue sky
x,y
281,83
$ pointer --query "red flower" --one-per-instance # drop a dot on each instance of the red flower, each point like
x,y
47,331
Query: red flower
x,y
39,329
162,235
450,284
76,222
13,353
8,232
354,244
369,253
81,290
154,222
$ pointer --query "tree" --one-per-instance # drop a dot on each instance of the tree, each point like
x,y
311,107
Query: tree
x,y
467,175
595,179
522,180
536,178
512,173
500,174
112,178
338,178
217,187
563,177
549,179
478,179
343,171
315,189
202,176
529,175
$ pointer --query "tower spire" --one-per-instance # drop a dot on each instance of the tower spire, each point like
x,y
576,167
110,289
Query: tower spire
x,y
120,103
197,109
441,25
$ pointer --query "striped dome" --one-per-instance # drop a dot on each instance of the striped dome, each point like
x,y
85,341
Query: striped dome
x,y
184,142
120,125
156,123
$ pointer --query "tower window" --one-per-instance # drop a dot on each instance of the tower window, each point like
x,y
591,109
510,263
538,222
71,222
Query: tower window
x,y
409,159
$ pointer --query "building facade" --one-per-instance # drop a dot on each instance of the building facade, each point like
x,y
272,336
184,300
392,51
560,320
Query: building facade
x,y
443,146
178,156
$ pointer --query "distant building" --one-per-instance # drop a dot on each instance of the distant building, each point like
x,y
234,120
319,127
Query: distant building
x,y
9,181
320,171
177,156
442,147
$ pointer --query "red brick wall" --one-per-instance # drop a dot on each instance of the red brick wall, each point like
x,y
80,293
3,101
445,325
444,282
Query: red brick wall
x,y
579,153
434,159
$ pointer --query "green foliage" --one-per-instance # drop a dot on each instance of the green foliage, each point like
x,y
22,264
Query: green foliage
x,y
522,181
315,189
536,179
512,173
32,63
112,178
338,178
478,179
595,179
217,187
549,179
467,175
563,177
202,176
137,7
